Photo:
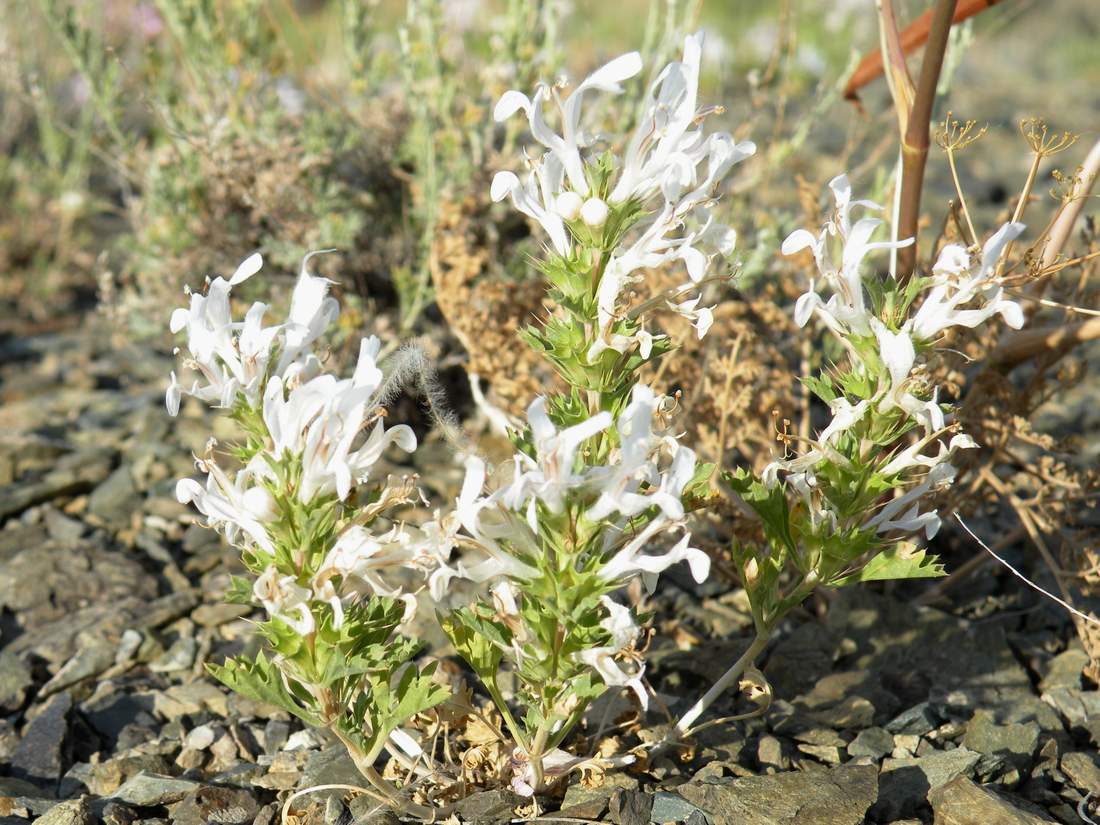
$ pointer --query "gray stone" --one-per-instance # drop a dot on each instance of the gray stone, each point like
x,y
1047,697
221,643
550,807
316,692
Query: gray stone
x,y
961,802
336,812
874,743
39,756
590,803
70,812
367,811
212,803
15,681
630,807
836,796
10,786
671,807
146,790
916,721
88,662
72,474
1064,670
769,753
180,656
62,528
1083,770
904,784
1014,744
116,498
331,766
490,807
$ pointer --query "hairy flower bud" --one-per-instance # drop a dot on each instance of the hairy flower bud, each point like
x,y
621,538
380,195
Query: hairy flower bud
x,y
569,205
594,212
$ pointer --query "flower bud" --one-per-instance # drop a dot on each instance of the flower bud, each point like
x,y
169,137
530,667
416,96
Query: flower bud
x,y
594,212
569,205
260,503
752,572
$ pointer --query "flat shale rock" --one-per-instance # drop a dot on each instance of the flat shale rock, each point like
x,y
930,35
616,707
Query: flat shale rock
x,y
15,681
147,790
1083,770
70,812
40,755
488,807
211,803
837,796
961,802
904,784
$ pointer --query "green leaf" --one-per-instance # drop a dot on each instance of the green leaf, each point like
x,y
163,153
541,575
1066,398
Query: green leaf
x,y
770,503
261,681
470,634
902,561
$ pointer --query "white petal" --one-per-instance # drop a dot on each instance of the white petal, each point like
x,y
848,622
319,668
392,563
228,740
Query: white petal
x,y
249,267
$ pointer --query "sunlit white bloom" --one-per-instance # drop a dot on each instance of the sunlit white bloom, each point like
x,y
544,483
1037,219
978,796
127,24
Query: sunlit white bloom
x,y
913,455
230,506
567,146
594,212
903,513
845,416
312,311
846,312
630,560
955,286
668,156
361,556
489,525
702,318
234,358
606,660
551,475
538,197
283,598
321,421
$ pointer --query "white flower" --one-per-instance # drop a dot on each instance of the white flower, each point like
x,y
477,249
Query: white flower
x,y
230,506
955,286
631,560
566,147
903,513
233,358
538,198
283,598
320,421
550,476
620,625
846,311
594,212
487,522
362,556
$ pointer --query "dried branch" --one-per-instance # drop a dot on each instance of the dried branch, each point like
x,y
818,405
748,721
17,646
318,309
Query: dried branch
x,y
911,38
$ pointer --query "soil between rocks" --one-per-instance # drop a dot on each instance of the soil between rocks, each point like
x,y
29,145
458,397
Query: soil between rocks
x,y
111,603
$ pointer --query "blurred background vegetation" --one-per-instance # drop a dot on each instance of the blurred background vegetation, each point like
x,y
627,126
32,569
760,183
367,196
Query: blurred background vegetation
x,y
145,145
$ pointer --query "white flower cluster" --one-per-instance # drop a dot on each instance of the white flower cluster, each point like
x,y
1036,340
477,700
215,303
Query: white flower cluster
x,y
646,474
668,158
326,434
954,285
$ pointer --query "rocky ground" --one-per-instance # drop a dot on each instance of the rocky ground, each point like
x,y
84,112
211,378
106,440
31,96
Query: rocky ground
x,y
110,603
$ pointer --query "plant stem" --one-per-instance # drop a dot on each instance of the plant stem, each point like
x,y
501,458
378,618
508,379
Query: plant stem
x,y
914,143
364,764
728,679
962,198
536,752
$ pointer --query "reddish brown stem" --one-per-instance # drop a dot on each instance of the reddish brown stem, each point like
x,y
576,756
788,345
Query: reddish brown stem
x,y
914,143
912,38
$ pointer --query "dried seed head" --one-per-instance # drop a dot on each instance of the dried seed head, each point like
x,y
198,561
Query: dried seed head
x,y
1043,142
955,135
